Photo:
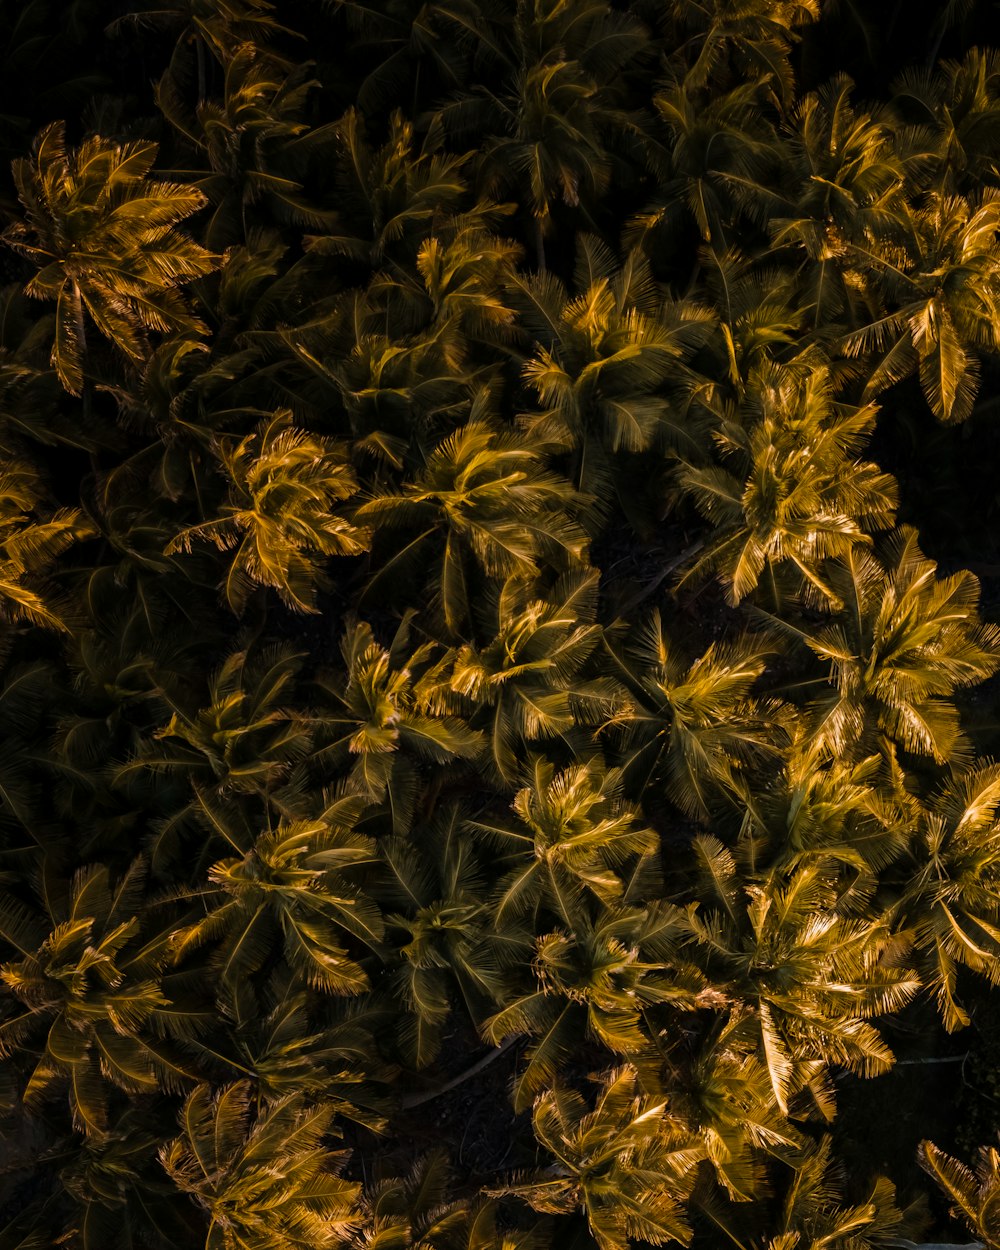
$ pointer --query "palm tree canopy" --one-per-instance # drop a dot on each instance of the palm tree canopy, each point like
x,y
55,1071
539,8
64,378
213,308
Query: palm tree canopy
x,y
498,642
103,238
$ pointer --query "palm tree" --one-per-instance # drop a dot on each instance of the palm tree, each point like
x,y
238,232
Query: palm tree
x,y
119,1193
263,1179
956,105
940,298
416,1210
556,125
450,945
608,368
813,1211
761,324
392,390
591,979
761,320
724,1094
419,1210
243,740
535,680
973,1194
216,26
848,818
722,41
256,143
851,171
951,897
573,835
905,642
802,979
103,238
404,359
449,952
697,724
205,766
379,714
483,497
272,1035
390,198
850,168
718,158
801,1201
29,545
421,342
799,493
628,1163
89,980
284,488
287,891
463,271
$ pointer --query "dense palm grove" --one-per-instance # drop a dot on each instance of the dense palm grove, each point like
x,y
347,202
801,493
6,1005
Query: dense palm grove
x,y
488,760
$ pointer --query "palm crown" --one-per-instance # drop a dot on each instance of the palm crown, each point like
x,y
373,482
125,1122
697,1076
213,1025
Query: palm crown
x,y
284,485
104,240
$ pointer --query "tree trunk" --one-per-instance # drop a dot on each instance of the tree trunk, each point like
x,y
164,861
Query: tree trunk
x,y
417,1100
199,52
539,245
81,335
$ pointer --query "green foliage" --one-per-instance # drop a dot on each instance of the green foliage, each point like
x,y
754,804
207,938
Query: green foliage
x,y
91,988
495,738
951,899
801,495
263,1179
483,501
572,832
972,1193
627,1163
104,242
30,547
802,978
283,486
905,643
